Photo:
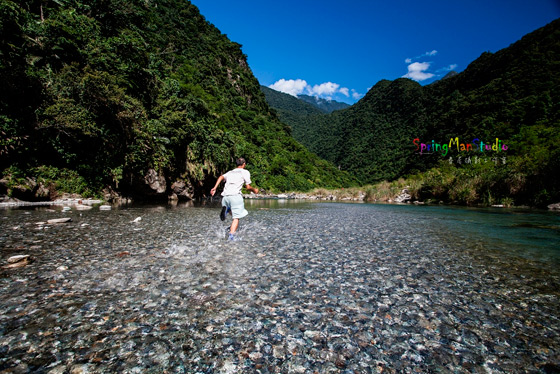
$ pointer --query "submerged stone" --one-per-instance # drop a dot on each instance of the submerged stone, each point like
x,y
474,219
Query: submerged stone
x,y
59,220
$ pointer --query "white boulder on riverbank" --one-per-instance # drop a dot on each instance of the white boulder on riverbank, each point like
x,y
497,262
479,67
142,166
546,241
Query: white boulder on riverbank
x,y
404,196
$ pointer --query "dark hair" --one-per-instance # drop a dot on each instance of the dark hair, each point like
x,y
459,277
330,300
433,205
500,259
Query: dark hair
x,y
240,161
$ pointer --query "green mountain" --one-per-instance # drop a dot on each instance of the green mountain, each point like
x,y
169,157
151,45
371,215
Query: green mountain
x,y
137,98
372,139
326,106
288,104
511,97
291,110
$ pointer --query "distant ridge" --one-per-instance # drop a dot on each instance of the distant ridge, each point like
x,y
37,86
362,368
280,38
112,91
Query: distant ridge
x,y
288,104
292,111
326,106
452,73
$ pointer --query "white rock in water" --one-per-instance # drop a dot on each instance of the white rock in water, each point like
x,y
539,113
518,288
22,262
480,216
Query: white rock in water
x,y
18,258
58,370
83,207
137,219
105,207
18,261
255,356
229,368
59,220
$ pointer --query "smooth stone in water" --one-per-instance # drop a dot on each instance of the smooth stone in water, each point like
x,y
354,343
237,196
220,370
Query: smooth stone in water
x,y
18,261
59,220
18,258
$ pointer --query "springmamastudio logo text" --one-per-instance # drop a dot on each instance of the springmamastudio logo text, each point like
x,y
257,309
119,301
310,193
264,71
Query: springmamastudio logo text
x,y
467,152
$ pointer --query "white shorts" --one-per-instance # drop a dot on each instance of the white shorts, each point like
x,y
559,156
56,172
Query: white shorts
x,y
236,205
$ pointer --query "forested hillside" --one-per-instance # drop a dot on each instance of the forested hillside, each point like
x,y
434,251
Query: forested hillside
x,y
137,98
291,110
511,97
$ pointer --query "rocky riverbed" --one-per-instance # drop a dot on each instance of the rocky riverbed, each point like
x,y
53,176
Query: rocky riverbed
x,y
309,288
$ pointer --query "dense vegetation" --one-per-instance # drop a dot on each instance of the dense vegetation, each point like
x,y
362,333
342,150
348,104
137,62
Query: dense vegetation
x,y
111,93
291,110
512,95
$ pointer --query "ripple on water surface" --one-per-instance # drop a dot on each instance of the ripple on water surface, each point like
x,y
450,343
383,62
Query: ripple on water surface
x,y
309,287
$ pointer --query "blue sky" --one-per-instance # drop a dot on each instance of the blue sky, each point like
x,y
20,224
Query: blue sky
x,y
339,49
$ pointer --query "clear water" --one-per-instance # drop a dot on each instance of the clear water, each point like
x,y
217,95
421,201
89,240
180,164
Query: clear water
x,y
531,234
310,287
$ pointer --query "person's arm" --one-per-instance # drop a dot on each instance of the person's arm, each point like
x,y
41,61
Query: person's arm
x,y
213,190
248,186
253,189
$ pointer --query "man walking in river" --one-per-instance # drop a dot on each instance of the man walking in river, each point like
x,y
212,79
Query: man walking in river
x,y
232,200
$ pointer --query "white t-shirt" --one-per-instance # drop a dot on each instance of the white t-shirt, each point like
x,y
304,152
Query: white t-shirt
x,y
234,181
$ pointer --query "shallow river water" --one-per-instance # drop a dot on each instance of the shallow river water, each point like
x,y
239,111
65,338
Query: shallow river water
x,y
308,288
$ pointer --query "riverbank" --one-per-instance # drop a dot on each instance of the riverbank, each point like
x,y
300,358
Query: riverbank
x,y
385,192
74,201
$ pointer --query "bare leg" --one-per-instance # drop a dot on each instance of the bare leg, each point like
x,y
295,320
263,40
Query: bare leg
x,y
234,225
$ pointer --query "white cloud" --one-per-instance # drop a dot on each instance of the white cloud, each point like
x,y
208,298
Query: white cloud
x,y
327,88
429,53
290,86
417,71
446,69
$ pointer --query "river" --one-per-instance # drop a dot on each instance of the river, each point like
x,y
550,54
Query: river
x,y
309,288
